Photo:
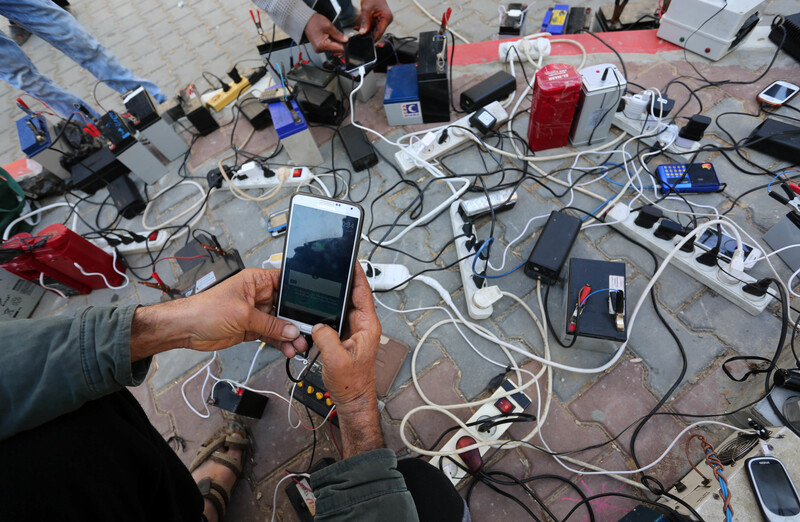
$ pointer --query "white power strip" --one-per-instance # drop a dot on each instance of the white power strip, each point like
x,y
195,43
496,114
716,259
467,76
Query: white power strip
x,y
252,177
635,128
505,53
465,265
153,245
712,277
518,402
429,148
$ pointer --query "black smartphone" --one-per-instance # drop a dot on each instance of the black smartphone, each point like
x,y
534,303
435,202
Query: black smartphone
x,y
319,256
359,51
773,488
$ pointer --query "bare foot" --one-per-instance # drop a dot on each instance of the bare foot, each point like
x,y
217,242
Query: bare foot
x,y
221,474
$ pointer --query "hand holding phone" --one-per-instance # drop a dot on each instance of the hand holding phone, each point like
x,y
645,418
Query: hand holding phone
x,y
359,52
319,256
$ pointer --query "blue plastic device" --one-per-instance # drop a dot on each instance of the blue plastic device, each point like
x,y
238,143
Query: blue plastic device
x,y
27,138
287,123
555,19
688,178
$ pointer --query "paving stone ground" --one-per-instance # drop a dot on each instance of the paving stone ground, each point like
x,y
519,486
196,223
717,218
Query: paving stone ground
x,y
172,42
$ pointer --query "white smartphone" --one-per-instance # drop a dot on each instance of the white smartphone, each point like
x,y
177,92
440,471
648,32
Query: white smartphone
x,y
319,256
778,93
775,493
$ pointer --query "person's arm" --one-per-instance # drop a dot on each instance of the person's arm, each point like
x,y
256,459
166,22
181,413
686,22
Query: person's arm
x,y
297,19
52,366
366,484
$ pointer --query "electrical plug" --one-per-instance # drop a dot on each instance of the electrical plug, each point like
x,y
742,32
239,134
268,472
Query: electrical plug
x,y
487,296
734,272
757,289
708,258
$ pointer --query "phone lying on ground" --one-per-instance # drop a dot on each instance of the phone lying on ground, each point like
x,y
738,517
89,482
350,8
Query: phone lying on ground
x,y
359,51
319,256
773,488
778,93
708,240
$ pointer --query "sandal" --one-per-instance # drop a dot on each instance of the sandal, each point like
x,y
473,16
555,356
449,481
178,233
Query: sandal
x,y
232,435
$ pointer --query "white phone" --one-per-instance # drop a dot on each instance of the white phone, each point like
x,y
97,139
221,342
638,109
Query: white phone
x,y
778,93
775,493
319,257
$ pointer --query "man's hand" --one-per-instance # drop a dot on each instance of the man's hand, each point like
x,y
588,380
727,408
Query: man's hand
x,y
234,311
375,16
348,369
323,36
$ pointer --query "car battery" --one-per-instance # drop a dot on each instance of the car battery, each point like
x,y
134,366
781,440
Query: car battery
x,y
35,139
555,19
556,89
130,152
294,134
401,96
434,90
601,91
150,127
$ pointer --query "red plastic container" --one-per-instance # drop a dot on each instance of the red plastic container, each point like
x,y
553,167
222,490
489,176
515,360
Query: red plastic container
x,y
556,89
54,252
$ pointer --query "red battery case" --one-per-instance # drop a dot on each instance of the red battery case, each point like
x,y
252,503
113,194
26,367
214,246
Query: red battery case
x,y
556,89
54,252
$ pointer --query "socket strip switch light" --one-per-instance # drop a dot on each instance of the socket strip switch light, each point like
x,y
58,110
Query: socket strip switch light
x,y
251,175
636,120
428,147
154,242
713,277
514,403
479,296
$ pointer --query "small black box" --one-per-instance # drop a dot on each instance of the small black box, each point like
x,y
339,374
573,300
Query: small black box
x,y
359,149
319,105
512,23
494,88
237,400
595,320
199,115
552,248
126,197
255,112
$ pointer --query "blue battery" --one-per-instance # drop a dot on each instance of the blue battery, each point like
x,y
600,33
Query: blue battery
x,y
286,122
555,19
27,138
401,96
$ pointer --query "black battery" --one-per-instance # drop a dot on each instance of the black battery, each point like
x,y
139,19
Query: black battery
x,y
434,91
598,316
237,400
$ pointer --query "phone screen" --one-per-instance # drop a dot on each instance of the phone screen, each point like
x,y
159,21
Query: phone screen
x,y
359,50
317,265
780,92
775,487
726,247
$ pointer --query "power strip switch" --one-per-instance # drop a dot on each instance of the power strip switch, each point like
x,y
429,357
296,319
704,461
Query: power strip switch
x,y
252,176
711,276
506,403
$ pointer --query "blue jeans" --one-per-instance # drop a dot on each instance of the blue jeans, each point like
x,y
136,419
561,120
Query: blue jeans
x,y
60,29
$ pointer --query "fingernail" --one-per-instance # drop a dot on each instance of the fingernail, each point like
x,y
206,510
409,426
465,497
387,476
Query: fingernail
x,y
290,331
316,327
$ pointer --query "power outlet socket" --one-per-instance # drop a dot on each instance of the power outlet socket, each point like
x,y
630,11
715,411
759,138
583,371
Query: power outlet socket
x,y
518,402
255,178
465,265
220,99
154,243
429,147
712,277
383,276
635,128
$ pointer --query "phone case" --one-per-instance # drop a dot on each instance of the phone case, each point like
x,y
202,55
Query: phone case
x,y
391,356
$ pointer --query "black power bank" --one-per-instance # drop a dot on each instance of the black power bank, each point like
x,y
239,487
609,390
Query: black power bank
x,y
552,248
494,88
358,148
777,139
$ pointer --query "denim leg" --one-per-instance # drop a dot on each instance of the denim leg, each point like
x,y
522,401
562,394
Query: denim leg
x,y
17,69
60,29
